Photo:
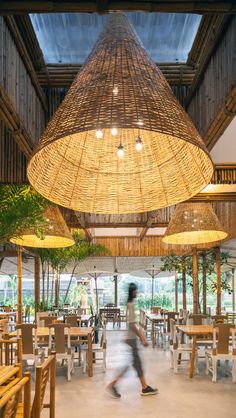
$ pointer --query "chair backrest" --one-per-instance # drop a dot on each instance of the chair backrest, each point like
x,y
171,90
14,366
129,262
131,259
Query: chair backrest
x,y
172,330
28,333
4,326
10,352
156,309
197,319
71,320
231,317
222,334
58,343
220,319
10,400
167,316
103,340
45,372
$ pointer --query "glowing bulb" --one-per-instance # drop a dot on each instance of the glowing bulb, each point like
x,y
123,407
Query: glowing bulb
x,y
115,91
47,220
114,131
99,134
50,227
140,122
139,144
120,151
195,220
192,225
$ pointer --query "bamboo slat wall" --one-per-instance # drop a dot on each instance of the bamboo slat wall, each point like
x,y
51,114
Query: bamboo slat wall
x,y
12,160
215,87
16,82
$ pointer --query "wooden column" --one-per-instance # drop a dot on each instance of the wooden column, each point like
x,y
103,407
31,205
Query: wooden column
x,y
195,283
233,290
218,282
184,288
19,284
176,292
36,284
116,289
204,286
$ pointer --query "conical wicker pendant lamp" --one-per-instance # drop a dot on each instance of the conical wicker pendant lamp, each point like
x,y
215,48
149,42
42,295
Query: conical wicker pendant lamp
x,y
120,142
56,233
193,224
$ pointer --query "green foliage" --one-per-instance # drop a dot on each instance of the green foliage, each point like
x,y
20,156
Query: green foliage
x,y
21,207
145,302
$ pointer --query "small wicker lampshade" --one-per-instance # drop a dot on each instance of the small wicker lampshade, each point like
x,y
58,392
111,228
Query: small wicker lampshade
x,y
192,224
56,233
120,99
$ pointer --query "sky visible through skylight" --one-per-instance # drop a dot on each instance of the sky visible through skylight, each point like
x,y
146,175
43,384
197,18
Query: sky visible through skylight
x,y
67,38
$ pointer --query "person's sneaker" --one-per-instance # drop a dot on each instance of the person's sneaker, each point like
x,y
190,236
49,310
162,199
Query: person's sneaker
x,y
111,389
149,391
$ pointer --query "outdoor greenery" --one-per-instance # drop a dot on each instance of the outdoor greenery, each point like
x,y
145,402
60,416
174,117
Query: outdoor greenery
x,y
163,300
21,207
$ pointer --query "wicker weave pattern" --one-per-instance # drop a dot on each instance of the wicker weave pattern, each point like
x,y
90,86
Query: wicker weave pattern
x,y
192,224
56,234
119,87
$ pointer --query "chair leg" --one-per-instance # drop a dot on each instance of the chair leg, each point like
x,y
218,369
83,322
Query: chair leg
x,y
164,342
69,370
214,370
234,371
207,365
104,360
171,360
175,362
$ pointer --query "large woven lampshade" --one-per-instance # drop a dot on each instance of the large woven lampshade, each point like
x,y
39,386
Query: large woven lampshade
x,y
120,101
192,224
56,233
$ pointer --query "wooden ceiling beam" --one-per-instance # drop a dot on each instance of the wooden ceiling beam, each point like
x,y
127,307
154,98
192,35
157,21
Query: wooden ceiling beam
x,y
103,6
62,75
82,222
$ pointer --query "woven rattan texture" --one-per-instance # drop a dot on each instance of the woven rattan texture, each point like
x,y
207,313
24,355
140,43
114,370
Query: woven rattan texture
x,y
119,86
193,224
56,233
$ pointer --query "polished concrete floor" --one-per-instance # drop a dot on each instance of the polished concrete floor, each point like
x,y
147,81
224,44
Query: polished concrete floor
x,y
179,397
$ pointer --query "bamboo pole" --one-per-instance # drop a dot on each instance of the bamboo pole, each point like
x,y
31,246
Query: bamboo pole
x,y
176,292
218,282
204,292
195,283
19,284
184,288
36,284
233,290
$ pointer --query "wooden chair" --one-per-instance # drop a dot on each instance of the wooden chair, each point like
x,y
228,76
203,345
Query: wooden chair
x,y
166,329
180,352
197,319
99,350
156,309
4,327
220,319
57,338
10,351
26,316
221,350
10,400
231,318
28,334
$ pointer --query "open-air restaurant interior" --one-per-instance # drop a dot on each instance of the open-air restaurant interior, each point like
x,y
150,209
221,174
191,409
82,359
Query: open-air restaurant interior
x,y
117,209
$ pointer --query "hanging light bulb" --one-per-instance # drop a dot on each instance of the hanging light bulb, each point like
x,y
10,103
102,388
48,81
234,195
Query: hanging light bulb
x,y
115,91
120,151
139,144
99,134
114,131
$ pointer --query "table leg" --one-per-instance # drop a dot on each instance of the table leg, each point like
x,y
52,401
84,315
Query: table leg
x,y
192,361
153,335
90,356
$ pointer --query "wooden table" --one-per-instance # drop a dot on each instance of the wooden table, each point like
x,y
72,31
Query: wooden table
x,y
195,331
80,318
154,319
87,332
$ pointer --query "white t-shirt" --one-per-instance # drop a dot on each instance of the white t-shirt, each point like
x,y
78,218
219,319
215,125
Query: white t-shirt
x,y
131,320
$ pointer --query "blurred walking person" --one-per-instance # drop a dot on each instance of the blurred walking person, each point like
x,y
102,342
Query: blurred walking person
x,y
132,341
